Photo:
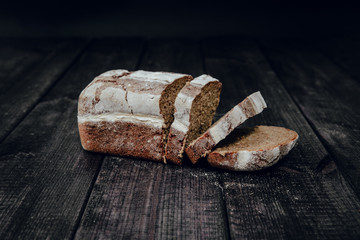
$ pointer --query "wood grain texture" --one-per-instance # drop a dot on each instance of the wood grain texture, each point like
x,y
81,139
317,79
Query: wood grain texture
x,y
134,199
45,176
52,189
344,51
327,96
20,56
29,74
105,54
140,199
304,196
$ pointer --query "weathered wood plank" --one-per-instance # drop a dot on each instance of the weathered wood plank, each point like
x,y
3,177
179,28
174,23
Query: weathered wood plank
x,y
20,56
45,176
24,85
108,54
304,196
146,200
344,51
328,97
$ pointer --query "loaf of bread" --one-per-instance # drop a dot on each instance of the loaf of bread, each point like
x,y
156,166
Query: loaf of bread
x,y
251,149
129,114
160,115
195,108
251,106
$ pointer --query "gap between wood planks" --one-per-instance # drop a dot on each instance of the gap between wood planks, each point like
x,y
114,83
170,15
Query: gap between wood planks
x,y
51,85
78,221
45,210
322,164
183,171
299,195
321,199
341,104
220,180
87,197
172,218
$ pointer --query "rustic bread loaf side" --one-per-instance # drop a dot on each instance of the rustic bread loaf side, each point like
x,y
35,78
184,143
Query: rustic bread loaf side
x,y
251,106
141,103
123,134
195,107
253,148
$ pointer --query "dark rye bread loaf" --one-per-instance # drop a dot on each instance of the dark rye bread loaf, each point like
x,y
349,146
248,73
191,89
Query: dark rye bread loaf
x,y
251,106
129,114
251,149
195,108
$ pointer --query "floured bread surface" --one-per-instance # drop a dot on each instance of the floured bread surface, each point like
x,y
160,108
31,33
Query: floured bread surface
x,y
135,95
167,105
90,96
139,92
252,149
123,134
195,109
251,106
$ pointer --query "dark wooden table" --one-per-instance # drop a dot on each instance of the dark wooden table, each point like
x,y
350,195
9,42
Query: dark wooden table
x,y
50,188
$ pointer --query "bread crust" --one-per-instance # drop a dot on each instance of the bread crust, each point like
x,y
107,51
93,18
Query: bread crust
x,y
252,160
123,138
249,107
120,99
183,105
175,146
137,92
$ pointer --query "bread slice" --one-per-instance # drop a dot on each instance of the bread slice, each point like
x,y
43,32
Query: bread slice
x,y
195,108
251,106
253,148
129,113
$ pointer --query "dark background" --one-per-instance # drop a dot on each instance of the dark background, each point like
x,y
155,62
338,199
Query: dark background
x,y
257,18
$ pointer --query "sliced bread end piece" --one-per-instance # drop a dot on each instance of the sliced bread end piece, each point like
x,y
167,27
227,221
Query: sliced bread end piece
x,y
251,106
253,148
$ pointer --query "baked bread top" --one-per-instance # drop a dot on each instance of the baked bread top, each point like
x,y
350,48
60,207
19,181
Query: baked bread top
x,y
139,92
